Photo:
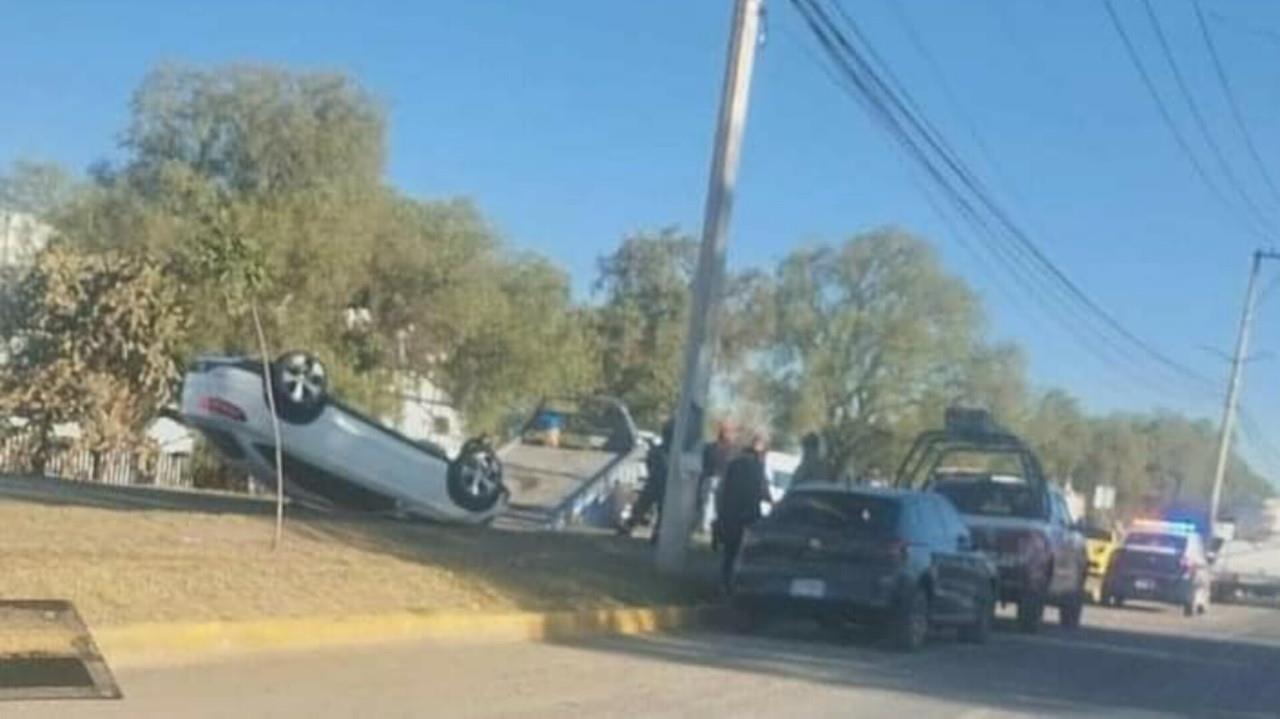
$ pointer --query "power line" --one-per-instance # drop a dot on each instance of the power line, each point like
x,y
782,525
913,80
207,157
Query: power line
x,y
1198,116
1136,60
1232,103
873,92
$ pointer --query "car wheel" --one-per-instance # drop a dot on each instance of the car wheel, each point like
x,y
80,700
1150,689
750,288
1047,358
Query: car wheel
x,y
979,631
1070,611
474,479
911,621
300,387
1030,613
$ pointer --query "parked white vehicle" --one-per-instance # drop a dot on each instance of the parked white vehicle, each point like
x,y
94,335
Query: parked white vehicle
x,y
333,454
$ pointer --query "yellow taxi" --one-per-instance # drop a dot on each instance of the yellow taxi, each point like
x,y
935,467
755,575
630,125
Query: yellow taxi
x,y
1100,545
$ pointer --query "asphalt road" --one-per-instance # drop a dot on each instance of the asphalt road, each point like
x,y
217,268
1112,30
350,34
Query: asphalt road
x,y
1125,662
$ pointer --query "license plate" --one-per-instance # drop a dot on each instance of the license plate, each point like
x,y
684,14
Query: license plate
x,y
1144,585
808,588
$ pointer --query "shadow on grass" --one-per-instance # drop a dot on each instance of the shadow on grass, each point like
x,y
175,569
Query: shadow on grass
x,y
66,492
535,570
1087,672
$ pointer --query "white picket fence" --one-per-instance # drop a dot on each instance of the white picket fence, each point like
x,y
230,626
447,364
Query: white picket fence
x,y
113,467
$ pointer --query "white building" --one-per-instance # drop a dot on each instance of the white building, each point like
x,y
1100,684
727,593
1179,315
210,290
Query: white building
x,y
427,413
22,236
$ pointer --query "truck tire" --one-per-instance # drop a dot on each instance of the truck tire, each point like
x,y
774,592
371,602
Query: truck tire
x,y
1071,611
909,626
1030,613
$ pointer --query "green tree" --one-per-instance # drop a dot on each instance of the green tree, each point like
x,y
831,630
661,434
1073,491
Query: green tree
x,y
93,341
1060,433
643,318
865,334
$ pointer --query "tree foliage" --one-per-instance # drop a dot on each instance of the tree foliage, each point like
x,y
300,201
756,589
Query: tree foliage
x,y
643,319
863,334
255,184
94,340
259,183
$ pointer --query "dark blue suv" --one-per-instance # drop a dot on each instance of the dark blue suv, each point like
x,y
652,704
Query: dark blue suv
x,y
900,558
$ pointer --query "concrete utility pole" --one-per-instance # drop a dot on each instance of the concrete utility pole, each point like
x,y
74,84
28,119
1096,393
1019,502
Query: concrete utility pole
x,y
1233,385
679,499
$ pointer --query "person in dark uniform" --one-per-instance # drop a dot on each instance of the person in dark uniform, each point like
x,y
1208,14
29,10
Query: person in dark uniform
x,y
655,484
738,500
715,461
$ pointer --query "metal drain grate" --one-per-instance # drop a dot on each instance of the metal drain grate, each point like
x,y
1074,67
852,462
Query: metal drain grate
x,y
46,652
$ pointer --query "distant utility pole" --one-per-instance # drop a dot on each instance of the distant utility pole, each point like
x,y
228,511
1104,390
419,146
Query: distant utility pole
x,y
680,497
1233,384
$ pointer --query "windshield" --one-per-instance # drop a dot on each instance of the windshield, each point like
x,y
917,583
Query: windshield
x,y
851,513
992,498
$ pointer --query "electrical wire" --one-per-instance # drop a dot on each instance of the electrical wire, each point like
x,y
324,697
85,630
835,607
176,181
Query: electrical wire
x,y
974,202
1225,82
1189,97
1135,59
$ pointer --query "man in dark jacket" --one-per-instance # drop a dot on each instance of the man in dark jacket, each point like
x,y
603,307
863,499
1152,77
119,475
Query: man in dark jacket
x,y
744,487
715,461
655,484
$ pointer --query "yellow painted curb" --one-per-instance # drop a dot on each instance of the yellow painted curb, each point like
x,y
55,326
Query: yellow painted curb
x,y
168,643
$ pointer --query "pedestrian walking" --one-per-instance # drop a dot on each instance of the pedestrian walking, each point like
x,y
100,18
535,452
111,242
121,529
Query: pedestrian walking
x,y
715,461
738,501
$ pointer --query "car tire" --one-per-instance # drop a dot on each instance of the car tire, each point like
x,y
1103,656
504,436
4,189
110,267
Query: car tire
x,y
474,479
910,623
979,631
1071,611
299,386
1030,613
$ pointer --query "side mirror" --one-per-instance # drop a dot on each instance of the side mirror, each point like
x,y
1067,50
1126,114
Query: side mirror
x,y
964,542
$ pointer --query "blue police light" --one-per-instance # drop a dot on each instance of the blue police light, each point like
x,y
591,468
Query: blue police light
x,y
1185,529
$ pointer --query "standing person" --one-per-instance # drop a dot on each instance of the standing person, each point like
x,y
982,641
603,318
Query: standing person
x,y
813,465
715,461
738,500
655,484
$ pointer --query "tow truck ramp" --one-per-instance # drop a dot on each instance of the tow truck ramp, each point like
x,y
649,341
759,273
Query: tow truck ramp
x,y
567,461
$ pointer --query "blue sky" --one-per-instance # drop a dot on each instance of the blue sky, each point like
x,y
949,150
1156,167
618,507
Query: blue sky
x,y
572,123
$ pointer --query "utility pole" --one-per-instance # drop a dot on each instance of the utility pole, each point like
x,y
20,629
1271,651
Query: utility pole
x,y
1233,385
679,498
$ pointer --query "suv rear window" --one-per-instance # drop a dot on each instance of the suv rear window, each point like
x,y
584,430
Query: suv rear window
x,y
992,498
857,513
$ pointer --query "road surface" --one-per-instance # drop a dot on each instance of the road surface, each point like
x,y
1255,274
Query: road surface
x,y
1126,662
